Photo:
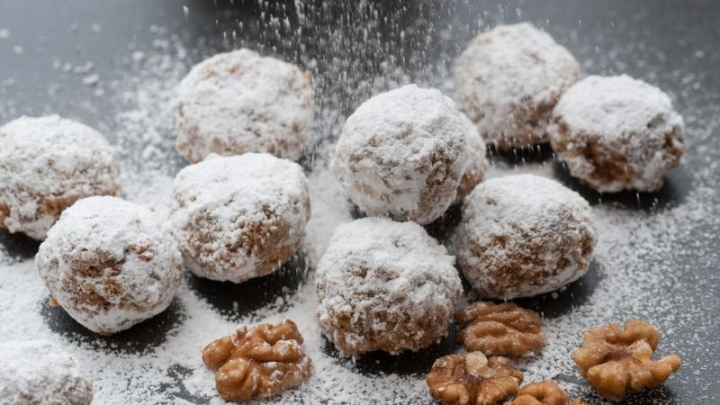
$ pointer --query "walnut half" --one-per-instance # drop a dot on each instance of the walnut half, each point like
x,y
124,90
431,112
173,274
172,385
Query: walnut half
x,y
258,362
616,360
473,379
503,329
543,393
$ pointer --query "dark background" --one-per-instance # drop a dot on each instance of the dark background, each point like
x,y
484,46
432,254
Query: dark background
x,y
673,44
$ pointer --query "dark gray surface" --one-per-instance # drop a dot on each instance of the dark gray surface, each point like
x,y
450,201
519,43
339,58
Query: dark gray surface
x,y
663,41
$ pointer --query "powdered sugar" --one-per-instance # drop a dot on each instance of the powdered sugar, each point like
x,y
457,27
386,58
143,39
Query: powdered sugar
x,y
239,217
108,263
46,164
385,285
510,75
404,154
606,119
39,372
240,102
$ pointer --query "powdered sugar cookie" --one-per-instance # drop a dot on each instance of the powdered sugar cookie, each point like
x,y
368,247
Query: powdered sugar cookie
x,y
109,264
46,164
408,154
385,285
38,372
239,217
617,133
523,235
239,102
508,81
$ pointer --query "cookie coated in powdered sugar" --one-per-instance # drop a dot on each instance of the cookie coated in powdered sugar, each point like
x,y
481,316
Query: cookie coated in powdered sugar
x,y
238,102
109,264
385,285
239,217
508,81
39,372
617,133
46,164
523,235
408,154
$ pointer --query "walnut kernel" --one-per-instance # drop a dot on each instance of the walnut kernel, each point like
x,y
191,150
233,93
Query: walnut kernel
x,y
473,379
503,329
616,360
258,362
543,393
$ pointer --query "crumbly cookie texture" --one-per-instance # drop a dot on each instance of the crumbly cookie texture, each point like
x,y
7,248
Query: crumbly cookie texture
x,y
385,285
38,372
617,133
239,102
239,217
500,329
509,79
109,264
46,164
258,362
616,360
523,235
473,379
408,154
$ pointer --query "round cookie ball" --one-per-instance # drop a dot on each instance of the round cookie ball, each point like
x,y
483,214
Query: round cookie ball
x,y
385,285
239,217
408,154
523,235
46,164
38,372
239,102
617,133
509,79
109,264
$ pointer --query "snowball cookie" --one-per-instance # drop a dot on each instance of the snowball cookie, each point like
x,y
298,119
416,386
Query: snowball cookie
x,y
509,79
46,164
239,217
617,133
408,154
523,235
38,372
109,264
239,102
385,285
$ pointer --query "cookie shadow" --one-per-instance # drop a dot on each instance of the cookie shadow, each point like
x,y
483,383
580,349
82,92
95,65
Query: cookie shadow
x,y
234,301
558,303
407,363
676,187
140,338
530,154
18,246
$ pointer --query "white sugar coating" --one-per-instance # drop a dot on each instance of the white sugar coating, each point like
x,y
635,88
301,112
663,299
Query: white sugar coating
x,y
385,285
617,133
508,80
39,372
653,265
523,235
239,217
46,164
109,264
405,153
238,102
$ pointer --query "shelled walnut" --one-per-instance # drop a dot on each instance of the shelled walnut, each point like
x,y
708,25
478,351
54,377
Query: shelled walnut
x,y
543,393
616,360
502,329
473,379
258,362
